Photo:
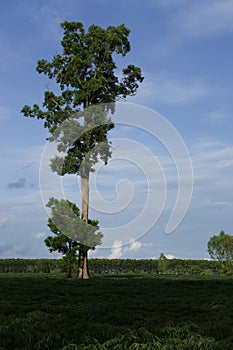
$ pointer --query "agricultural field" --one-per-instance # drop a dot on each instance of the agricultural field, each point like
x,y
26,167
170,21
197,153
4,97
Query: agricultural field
x,y
130,311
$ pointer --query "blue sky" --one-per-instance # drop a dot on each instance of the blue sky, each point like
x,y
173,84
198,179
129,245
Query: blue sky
x,y
185,51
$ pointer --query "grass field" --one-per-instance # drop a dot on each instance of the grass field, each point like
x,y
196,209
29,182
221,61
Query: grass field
x,y
45,311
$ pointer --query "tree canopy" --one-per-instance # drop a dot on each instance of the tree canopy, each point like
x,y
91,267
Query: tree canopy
x,y
70,232
220,246
85,72
65,221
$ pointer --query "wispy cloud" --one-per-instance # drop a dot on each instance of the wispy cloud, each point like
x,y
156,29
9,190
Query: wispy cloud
x,y
20,183
5,247
216,117
213,168
3,222
165,88
39,235
48,16
195,20
26,166
17,157
213,153
205,18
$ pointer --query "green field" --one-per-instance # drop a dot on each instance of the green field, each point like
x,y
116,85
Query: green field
x,y
48,311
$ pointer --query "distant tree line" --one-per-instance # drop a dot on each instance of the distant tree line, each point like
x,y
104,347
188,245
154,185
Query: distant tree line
x,y
117,266
220,249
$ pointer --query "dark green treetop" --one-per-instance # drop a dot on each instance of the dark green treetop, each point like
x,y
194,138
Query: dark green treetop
x,y
86,74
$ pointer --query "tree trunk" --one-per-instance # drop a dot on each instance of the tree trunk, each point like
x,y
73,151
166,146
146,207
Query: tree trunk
x,y
85,197
83,271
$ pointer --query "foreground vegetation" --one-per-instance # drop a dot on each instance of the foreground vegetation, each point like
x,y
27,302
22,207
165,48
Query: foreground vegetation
x,y
49,311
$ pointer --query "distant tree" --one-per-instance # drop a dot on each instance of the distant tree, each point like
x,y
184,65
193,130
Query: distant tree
x,y
163,263
69,230
85,72
220,247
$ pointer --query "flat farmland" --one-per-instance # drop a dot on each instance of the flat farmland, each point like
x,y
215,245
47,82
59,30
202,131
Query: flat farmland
x,y
49,311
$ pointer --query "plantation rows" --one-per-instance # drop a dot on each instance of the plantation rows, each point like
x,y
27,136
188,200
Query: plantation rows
x,y
116,266
117,312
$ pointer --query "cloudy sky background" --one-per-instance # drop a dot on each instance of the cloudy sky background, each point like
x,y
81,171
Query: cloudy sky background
x,y
185,51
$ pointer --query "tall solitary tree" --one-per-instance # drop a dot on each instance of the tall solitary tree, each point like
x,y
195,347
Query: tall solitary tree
x,y
86,74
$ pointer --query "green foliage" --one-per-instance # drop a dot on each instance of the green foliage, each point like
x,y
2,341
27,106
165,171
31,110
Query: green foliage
x,y
70,232
115,312
180,337
85,73
220,247
116,266
163,263
30,265
152,266
84,143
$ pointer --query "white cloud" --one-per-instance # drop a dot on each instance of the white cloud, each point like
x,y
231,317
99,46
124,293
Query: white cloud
x,y
170,256
134,246
116,250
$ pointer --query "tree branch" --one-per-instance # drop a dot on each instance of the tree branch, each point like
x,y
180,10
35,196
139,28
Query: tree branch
x,y
62,109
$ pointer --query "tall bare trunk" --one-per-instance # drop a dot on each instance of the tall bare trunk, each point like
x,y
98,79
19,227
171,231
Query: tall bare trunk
x,y
83,271
85,197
